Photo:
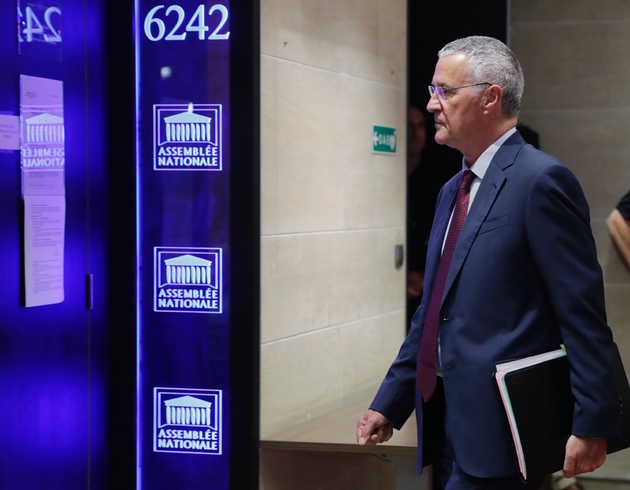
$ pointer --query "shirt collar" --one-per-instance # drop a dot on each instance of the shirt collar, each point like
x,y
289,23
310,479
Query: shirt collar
x,y
480,167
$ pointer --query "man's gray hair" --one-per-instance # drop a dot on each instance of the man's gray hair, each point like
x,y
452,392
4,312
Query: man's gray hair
x,y
492,61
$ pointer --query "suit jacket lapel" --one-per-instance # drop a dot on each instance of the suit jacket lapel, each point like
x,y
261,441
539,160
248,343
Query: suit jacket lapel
x,y
486,195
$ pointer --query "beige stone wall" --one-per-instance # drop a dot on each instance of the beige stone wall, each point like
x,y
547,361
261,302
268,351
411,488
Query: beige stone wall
x,y
332,212
576,59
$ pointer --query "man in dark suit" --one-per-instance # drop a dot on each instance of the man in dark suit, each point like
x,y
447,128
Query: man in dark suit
x,y
511,272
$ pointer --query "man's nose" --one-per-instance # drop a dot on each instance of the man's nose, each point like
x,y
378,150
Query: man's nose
x,y
434,104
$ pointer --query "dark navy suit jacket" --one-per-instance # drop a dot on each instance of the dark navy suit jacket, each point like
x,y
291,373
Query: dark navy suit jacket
x,y
524,279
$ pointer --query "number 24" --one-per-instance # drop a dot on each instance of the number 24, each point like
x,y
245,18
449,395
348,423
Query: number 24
x,y
196,23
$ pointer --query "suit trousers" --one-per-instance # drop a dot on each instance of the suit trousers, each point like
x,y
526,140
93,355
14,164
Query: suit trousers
x,y
447,474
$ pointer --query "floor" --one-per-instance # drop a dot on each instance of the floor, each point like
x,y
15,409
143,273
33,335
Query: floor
x,y
604,485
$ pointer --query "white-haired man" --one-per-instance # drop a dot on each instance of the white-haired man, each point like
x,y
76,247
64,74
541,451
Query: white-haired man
x,y
511,272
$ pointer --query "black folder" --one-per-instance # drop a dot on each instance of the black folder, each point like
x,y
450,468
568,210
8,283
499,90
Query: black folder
x,y
539,405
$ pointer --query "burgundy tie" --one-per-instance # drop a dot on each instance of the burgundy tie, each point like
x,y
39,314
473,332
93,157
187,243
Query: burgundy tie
x,y
427,373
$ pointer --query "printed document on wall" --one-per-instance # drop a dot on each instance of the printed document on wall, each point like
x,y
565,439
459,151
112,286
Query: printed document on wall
x,y
44,225
42,152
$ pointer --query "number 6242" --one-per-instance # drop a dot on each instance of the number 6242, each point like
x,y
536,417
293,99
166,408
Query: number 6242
x,y
155,27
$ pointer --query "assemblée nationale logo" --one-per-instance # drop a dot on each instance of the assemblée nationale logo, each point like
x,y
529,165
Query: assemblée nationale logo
x,y
188,279
43,142
187,420
187,137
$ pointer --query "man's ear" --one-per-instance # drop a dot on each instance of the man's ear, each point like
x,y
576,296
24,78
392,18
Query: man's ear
x,y
492,98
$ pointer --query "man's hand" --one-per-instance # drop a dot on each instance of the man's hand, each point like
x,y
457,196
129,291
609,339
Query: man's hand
x,y
583,455
373,427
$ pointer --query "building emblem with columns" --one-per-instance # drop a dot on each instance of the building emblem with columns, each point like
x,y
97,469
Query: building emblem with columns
x,y
188,279
188,269
188,411
187,420
188,126
187,137
44,129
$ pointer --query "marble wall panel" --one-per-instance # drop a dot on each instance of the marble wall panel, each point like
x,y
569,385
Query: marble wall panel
x,y
309,375
331,211
566,11
362,38
300,379
595,145
574,66
313,281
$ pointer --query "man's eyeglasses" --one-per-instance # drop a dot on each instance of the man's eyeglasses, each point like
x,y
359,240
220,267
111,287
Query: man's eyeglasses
x,y
442,91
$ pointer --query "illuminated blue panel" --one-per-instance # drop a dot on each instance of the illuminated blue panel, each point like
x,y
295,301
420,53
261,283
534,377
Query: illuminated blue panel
x,y
183,249
53,366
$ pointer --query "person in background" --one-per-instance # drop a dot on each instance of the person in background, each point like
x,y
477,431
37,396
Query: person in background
x,y
511,272
619,228
418,216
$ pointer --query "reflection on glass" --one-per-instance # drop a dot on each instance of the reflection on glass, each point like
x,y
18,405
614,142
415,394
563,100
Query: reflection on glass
x,y
43,189
39,28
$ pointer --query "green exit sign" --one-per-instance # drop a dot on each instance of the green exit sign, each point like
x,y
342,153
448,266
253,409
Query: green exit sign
x,y
384,140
